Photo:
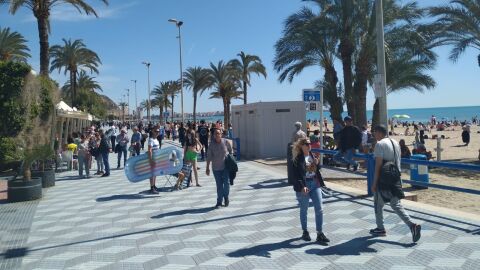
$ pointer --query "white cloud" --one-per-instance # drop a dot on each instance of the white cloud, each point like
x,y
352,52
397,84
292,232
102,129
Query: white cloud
x,y
191,49
68,13
213,50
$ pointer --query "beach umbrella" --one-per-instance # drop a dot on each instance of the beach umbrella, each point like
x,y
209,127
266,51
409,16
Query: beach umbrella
x,y
406,116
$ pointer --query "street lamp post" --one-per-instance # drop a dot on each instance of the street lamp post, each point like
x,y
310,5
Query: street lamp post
x,y
179,24
381,92
147,64
136,103
128,103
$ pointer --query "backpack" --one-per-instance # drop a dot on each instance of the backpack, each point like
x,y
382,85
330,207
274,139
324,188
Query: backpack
x,y
390,183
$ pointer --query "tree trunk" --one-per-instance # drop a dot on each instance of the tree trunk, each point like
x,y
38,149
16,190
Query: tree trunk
x,y
71,90
161,115
376,113
244,93
225,112
173,98
194,106
331,94
42,22
346,51
74,86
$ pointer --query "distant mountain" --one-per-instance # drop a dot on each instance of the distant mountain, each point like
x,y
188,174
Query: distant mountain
x,y
110,104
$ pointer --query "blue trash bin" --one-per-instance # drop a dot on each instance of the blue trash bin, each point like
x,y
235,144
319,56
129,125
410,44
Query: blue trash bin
x,y
419,173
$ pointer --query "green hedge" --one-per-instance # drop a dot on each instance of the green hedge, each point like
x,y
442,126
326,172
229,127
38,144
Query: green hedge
x,y
12,110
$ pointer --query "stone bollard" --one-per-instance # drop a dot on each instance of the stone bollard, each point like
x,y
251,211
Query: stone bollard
x,y
439,149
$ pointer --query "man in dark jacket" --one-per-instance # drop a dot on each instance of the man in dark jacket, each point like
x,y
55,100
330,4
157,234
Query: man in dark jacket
x,y
350,139
104,150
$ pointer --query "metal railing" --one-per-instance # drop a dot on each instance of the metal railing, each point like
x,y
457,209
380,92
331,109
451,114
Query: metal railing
x,y
441,164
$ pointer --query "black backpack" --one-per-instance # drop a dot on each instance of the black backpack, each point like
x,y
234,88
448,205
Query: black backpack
x,y
390,177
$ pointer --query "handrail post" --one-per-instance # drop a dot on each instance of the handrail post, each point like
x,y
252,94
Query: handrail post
x,y
370,173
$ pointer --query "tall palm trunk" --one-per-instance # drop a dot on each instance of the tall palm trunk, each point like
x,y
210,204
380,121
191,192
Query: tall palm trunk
x,y
173,97
336,106
346,52
74,85
42,22
72,90
225,112
376,113
244,92
195,107
360,90
161,114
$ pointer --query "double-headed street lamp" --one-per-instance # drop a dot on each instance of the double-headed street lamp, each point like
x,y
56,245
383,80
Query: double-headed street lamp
x,y
147,64
179,24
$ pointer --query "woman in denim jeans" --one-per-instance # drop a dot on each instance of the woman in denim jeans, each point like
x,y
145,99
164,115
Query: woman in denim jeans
x,y
306,186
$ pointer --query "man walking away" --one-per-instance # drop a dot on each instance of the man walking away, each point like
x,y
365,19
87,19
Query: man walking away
x,y
122,141
386,150
136,141
112,135
203,136
219,148
104,150
298,133
350,140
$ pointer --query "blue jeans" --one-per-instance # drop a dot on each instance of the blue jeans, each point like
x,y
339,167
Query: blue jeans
x,y
83,163
303,200
122,149
105,162
346,157
223,185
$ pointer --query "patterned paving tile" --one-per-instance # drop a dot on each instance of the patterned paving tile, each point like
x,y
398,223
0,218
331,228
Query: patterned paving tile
x,y
108,223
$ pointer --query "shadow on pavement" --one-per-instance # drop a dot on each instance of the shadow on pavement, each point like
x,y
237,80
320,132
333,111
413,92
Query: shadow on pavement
x,y
15,253
264,250
273,183
135,196
185,212
355,246
69,178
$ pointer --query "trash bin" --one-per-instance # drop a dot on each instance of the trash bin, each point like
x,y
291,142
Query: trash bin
x,y
419,173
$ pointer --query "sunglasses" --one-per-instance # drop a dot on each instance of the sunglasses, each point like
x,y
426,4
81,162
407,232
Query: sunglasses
x,y
307,144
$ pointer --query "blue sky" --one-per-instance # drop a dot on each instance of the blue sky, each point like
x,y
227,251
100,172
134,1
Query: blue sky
x,y
129,32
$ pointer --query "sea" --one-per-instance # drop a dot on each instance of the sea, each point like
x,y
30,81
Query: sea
x,y
465,113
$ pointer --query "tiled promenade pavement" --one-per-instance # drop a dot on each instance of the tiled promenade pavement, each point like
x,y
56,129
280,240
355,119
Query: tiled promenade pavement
x,y
109,223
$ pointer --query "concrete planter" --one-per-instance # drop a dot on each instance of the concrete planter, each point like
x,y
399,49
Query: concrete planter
x,y
48,177
20,191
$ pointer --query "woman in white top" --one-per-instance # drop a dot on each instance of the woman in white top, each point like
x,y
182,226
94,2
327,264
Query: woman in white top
x,y
153,145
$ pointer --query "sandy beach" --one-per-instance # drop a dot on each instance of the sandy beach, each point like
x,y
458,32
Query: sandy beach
x,y
453,151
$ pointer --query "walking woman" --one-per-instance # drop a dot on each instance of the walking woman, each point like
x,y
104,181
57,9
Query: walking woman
x,y
153,145
307,186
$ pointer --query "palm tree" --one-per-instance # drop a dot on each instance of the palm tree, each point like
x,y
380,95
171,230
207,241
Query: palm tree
x,y
13,46
174,88
84,83
246,65
459,26
227,82
72,57
198,80
306,42
161,95
123,105
41,9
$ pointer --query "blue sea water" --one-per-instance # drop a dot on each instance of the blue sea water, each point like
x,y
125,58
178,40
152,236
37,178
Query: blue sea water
x,y
417,115
421,114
